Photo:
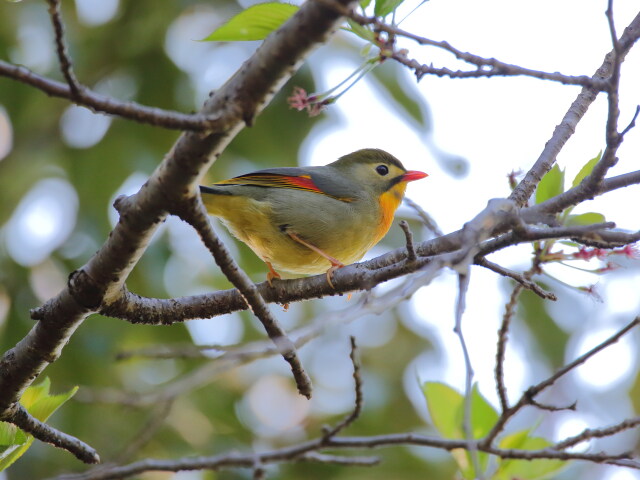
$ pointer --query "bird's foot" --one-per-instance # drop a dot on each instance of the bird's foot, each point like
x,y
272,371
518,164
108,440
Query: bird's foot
x,y
271,274
335,265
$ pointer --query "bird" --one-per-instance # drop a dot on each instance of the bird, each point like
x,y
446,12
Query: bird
x,y
308,220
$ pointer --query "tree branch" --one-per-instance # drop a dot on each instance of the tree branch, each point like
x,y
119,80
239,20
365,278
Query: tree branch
x,y
61,48
360,276
18,415
96,102
486,67
576,111
518,277
194,213
100,282
528,397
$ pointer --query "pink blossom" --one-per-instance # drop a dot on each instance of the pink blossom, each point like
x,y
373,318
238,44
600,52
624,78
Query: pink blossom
x,y
299,99
629,251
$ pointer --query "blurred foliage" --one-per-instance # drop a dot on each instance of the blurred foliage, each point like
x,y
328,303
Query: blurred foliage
x,y
206,421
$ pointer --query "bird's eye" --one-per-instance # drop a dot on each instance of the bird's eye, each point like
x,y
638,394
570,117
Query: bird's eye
x,y
382,170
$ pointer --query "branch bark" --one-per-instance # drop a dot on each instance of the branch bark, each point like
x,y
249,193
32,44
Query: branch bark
x,y
100,282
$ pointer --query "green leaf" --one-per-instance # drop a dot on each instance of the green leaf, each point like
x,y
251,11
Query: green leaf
x,y
44,407
385,7
526,469
7,434
586,169
254,23
364,3
14,452
360,31
551,185
36,399
445,407
34,393
483,418
588,218
483,415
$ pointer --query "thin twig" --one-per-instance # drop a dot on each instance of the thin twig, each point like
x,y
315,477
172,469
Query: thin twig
x,y
411,252
489,67
534,390
585,235
18,415
66,65
195,215
305,452
357,380
632,123
589,433
553,408
593,181
215,123
518,277
576,111
486,67
504,330
502,346
427,220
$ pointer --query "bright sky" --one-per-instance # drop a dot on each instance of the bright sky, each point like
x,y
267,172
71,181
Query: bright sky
x,y
499,125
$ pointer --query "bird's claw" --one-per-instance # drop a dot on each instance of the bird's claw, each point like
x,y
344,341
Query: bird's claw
x,y
334,266
271,274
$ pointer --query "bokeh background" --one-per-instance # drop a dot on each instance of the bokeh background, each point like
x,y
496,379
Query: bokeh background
x,y
62,166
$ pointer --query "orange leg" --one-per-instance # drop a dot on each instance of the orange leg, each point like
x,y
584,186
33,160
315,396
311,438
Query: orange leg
x,y
271,274
335,264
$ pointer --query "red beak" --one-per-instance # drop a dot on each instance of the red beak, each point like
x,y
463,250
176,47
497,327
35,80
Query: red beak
x,y
413,175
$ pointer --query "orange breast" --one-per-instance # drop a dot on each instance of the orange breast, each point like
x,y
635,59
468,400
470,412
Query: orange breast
x,y
389,203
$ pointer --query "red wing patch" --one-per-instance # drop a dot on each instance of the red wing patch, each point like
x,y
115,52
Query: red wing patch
x,y
302,182
295,182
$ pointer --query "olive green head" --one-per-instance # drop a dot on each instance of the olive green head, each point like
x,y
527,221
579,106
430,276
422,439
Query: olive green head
x,y
374,170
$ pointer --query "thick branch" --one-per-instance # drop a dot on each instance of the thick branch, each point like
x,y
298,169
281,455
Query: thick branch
x,y
360,276
100,282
